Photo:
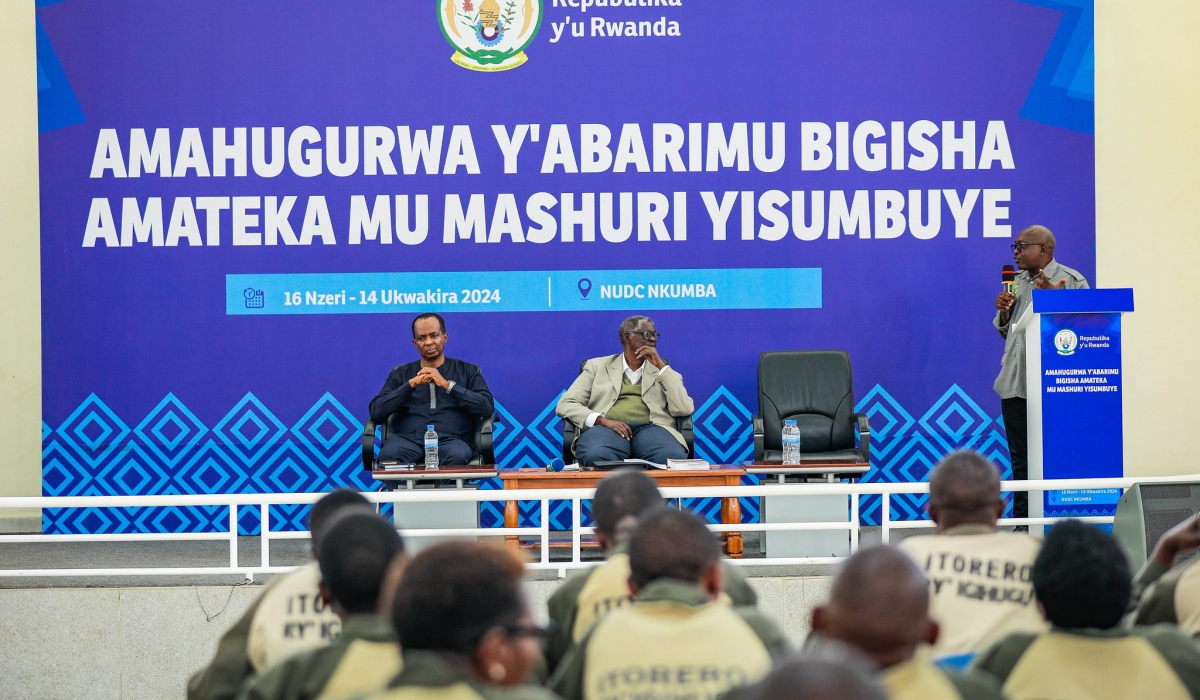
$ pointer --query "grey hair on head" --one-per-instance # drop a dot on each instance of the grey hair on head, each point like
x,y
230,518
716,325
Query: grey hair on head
x,y
630,325
1044,234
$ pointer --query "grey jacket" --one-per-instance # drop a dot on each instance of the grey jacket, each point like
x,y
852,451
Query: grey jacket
x,y
1011,382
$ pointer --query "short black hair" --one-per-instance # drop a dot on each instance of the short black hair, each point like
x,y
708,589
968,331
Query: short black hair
x,y
819,676
620,495
354,558
428,314
451,594
669,543
964,481
1081,577
328,506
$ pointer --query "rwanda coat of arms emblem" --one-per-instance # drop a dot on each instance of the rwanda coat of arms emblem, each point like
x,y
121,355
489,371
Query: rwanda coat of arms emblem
x,y
489,35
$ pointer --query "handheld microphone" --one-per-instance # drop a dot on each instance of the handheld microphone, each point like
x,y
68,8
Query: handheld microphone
x,y
1009,277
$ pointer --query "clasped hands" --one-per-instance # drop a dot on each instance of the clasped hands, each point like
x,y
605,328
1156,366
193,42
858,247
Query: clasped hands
x,y
428,375
647,353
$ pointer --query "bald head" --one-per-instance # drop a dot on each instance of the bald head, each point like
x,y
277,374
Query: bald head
x,y
1037,234
964,488
879,603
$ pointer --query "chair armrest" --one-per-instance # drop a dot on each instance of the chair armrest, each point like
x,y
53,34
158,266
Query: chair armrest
x,y
756,426
484,442
864,436
368,445
569,431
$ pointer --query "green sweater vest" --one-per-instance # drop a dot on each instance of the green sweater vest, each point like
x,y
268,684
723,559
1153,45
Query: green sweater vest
x,y
629,408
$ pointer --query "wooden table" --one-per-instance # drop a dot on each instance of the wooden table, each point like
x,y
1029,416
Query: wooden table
x,y
723,475
418,472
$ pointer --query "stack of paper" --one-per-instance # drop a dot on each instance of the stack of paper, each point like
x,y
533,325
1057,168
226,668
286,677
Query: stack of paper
x,y
688,464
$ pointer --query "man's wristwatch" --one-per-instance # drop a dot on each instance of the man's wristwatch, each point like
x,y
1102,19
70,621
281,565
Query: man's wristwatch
x,y
450,386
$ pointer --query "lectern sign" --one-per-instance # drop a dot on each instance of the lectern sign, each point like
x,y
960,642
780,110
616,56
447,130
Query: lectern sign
x,y
1073,359
1081,387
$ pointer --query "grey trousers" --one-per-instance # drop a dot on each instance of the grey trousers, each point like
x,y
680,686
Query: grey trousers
x,y
650,442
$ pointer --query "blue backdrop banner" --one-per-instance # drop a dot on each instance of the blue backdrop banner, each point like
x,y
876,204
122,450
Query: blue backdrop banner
x,y
244,204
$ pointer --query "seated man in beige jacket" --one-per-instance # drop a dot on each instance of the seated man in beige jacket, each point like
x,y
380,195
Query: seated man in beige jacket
x,y
625,404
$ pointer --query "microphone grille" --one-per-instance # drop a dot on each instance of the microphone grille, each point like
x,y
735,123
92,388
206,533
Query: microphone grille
x,y
1007,274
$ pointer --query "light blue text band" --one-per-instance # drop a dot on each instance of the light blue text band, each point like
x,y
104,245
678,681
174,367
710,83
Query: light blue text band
x,y
557,290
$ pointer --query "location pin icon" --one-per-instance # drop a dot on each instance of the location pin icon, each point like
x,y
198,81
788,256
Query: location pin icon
x,y
585,286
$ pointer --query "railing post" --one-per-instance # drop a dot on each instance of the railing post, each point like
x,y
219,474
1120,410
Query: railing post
x,y
264,531
545,531
885,516
233,535
854,524
576,523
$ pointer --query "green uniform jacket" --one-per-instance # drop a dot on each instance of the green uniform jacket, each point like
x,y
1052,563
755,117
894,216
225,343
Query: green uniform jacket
x,y
281,621
568,680
1168,594
916,680
364,658
564,604
1149,662
429,676
231,665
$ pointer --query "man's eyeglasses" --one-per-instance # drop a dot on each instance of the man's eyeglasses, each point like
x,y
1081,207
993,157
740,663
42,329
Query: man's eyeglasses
x,y
1019,246
648,335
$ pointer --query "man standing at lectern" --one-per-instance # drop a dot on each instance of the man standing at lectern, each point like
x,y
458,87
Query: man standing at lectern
x,y
625,403
436,389
1033,253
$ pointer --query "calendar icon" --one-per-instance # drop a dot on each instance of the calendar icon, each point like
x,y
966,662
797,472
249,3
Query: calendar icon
x,y
255,299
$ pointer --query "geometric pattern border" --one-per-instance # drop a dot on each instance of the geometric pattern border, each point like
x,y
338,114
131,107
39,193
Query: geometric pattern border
x,y
905,448
95,452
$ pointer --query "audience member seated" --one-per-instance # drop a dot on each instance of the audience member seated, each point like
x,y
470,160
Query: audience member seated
x,y
624,404
356,555
1166,594
620,499
456,396
1083,584
978,577
879,604
817,675
288,617
675,639
465,627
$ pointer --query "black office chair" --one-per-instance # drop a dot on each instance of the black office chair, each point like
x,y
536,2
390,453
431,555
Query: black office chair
x,y
482,437
816,389
571,431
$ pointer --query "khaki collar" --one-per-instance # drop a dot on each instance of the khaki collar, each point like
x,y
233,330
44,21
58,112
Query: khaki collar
x,y
673,590
969,529
372,628
429,669
1111,633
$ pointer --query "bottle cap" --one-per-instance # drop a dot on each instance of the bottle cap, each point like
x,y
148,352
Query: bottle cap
x,y
430,426
789,422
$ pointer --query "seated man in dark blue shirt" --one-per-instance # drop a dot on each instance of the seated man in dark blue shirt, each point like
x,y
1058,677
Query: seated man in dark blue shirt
x,y
438,390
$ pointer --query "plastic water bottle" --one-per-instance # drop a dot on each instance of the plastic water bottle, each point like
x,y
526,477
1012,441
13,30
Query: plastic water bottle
x,y
791,442
431,448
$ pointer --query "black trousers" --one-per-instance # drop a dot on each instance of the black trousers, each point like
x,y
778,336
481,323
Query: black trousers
x,y
1016,427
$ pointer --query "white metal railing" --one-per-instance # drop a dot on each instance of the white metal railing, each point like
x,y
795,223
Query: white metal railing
x,y
264,501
